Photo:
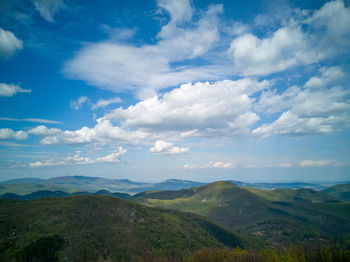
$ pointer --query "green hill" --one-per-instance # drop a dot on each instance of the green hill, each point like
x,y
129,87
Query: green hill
x,y
294,195
278,219
341,191
88,228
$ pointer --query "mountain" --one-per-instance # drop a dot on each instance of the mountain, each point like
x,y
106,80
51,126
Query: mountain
x,y
57,193
278,220
294,195
341,191
71,184
104,228
175,184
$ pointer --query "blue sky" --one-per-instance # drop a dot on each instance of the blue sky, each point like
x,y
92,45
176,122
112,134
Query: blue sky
x,y
151,90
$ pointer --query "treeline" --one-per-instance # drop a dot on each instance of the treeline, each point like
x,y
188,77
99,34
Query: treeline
x,y
47,249
295,253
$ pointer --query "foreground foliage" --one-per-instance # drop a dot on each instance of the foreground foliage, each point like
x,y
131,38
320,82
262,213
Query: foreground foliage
x,y
91,228
295,253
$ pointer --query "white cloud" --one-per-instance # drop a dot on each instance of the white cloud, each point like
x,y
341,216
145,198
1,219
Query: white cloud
x,y
324,162
102,133
77,159
48,8
77,104
218,164
167,148
44,131
254,56
180,11
10,90
105,102
271,102
116,66
9,44
315,109
46,163
293,125
9,134
328,35
186,166
328,75
220,108
114,157
34,120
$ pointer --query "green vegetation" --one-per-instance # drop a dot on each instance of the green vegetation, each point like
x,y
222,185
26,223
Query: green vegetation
x,y
296,253
340,191
265,218
105,228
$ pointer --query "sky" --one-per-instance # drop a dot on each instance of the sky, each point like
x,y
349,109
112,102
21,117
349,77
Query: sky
x,y
159,89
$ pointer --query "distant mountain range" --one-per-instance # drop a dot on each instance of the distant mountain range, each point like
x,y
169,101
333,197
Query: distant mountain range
x,y
74,184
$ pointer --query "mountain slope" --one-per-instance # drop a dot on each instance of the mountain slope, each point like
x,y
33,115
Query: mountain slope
x,y
105,227
263,219
341,191
294,195
58,193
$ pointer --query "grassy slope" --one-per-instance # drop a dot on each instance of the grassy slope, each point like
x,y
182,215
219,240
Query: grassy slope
x,y
340,191
294,195
259,215
107,227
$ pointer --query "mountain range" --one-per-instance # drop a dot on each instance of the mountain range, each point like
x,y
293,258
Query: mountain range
x,y
103,225
74,184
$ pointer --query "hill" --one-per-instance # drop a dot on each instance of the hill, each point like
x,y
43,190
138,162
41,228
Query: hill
x,y
267,221
294,195
341,191
58,193
102,227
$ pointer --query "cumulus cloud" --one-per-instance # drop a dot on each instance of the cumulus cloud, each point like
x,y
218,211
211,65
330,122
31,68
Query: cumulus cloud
x,y
48,8
77,159
10,90
255,56
318,108
105,102
102,133
9,44
220,108
9,134
293,125
117,66
44,131
167,148
327,75
328,35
